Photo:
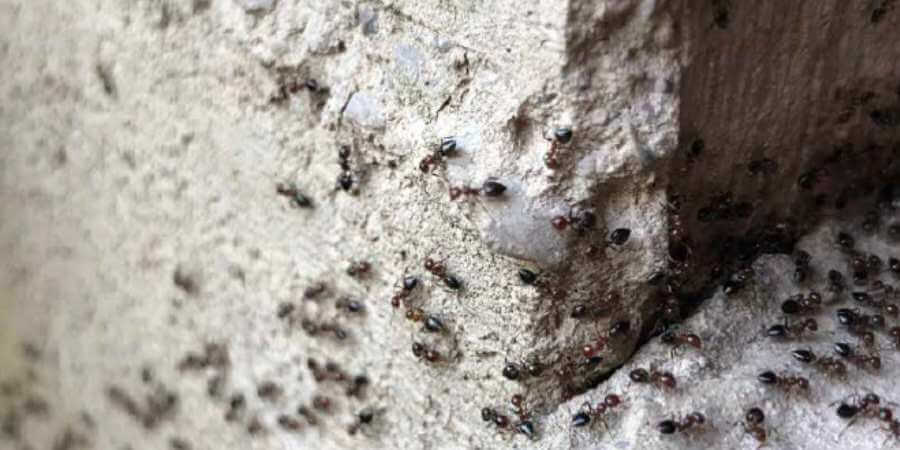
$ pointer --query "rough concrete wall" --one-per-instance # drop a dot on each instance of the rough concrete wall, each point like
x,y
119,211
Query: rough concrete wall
x,y
788,113
143,143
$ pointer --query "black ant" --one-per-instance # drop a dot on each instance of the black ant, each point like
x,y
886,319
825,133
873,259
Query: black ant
x,y
847,352
785,382
845,240
598,411
795,330
511,371
752,423
527,276
670,426
619,236
662,380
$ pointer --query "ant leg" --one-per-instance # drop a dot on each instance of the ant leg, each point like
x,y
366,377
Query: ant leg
x,y
845,428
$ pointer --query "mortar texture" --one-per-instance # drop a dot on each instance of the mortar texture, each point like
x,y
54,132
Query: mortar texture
x,y
159,275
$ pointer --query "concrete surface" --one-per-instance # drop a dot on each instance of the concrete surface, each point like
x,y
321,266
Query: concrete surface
x,y
152,273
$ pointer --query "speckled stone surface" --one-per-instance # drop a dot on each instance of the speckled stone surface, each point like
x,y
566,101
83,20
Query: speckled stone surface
x,y
172,192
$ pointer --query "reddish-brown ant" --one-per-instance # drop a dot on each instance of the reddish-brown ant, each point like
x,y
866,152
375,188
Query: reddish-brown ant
x,y
445,149
440,271
752,424
561,136
408,284
428,162
591,351
435,267
802,304
670,426
456,192
847,352
785,382
359,269
420,350
660,379
598,411
867,406
415,314
677,340
296,197
492,416
894,332
831,366
580,220
794,330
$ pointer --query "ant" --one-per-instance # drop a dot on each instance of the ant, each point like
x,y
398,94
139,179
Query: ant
x,y
490,188
445,149
857,323
456,192
415,314
662,380
868,406
802,304
795,330
785,382
525,425
617,329
440,271
845,351
581,221
836,282
588,412
894,332
670,426
364,417
527,276
752,423
832,366
491,415
619,237
511,371
352,306
561,136
290,191
359,269
420,350
408,284
670,337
